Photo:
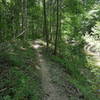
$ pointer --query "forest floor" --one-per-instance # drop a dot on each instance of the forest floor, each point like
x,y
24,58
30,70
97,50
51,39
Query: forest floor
x,y
41,77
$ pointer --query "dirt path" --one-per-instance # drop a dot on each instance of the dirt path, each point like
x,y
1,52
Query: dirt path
x,y
51,91
55,83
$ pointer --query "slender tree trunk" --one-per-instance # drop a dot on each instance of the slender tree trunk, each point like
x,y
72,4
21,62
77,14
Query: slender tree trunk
x,y
45,24
60,18
50,23
57,29
25,18
22,11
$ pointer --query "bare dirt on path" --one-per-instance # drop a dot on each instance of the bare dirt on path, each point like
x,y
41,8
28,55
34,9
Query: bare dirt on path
x,y
51,91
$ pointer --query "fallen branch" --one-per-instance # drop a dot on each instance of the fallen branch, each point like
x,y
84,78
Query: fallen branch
x,y
21,34
2,90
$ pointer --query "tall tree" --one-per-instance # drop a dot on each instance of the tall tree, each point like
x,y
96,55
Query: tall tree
x,y
45,31
25,18
57,29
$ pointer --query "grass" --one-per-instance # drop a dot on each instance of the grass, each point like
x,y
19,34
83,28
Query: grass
x,y
19,76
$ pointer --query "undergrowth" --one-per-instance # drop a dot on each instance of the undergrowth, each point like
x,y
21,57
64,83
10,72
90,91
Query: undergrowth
x,y
19,78
74,60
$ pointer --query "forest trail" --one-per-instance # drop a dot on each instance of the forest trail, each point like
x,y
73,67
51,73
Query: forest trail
x,y
49,75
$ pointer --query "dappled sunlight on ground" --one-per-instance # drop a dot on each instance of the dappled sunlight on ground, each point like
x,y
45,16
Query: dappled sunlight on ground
x,y
36,46
97,61
93,49
98,64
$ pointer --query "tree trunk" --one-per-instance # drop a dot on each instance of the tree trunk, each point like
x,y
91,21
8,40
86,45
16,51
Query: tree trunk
x,y
45,24
57,29
25,18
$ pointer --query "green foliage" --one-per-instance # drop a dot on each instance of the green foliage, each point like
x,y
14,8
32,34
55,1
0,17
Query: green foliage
x,y
72,58
74,7
24,86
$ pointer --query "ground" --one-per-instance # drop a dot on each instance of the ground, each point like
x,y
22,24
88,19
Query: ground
x,y
36,75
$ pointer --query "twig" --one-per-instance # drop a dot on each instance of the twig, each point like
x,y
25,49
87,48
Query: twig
x,y
21,34
3,90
